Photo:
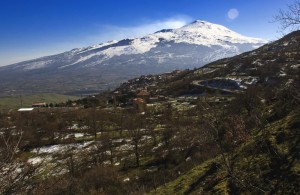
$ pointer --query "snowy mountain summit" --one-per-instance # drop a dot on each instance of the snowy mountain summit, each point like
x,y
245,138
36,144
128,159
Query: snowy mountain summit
x,y
197,33
206,33
107,64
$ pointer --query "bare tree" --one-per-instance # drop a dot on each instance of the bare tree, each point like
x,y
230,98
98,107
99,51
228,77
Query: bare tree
x,y
289,18
16,175
135,124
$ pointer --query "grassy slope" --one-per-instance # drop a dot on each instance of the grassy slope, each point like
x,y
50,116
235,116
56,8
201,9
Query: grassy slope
x,y
268,163
15,102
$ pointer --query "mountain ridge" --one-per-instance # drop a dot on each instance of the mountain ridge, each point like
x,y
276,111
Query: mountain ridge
x,y
107,64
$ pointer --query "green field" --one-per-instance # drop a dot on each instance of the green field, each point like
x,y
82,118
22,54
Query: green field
x,y
15,102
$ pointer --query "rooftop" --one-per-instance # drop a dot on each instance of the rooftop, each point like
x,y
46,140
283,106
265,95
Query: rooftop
x,y
25,109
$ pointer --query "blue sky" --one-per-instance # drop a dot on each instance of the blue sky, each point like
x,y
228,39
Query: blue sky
x,y
35,28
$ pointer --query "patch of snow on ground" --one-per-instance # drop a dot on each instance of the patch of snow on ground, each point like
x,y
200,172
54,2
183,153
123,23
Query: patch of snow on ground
x,y
124,147
61,148
78,135
137,46
36,65
295,66
97,46
38,160
126,179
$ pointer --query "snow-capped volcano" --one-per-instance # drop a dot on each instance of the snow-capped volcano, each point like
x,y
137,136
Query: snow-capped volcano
x,y
197,33
108,64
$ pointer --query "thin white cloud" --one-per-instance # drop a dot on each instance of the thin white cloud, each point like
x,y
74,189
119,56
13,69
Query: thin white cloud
x,y
232,14
110,32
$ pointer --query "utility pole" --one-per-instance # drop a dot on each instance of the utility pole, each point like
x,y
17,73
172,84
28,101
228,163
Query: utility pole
x,y
21,101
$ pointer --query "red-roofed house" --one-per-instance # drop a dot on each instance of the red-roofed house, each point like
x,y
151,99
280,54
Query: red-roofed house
x,y
144,94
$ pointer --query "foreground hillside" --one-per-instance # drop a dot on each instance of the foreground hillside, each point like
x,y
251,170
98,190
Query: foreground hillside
x,y
231,127
268,162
